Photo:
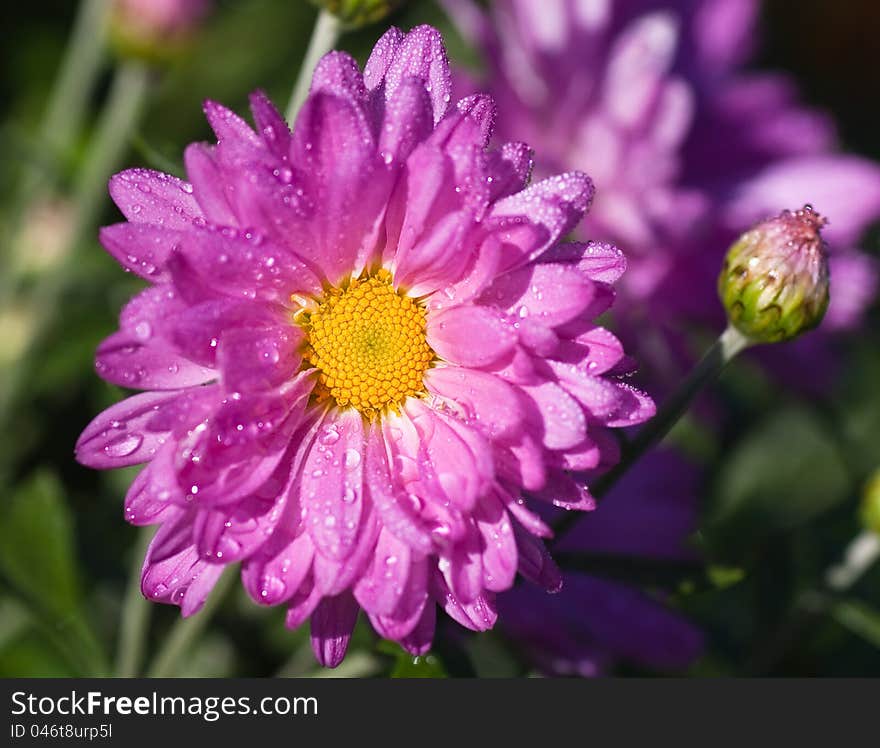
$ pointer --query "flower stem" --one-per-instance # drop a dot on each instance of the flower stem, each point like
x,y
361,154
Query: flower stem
x,y
324,38
70,94
729,344
135,620
860,555
166,663
112,136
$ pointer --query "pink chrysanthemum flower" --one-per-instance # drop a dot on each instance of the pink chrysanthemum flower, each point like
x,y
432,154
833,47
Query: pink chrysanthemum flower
x,y
364,347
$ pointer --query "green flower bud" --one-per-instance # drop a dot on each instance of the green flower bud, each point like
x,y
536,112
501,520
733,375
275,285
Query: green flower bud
x,y
774,283
353,14
871,504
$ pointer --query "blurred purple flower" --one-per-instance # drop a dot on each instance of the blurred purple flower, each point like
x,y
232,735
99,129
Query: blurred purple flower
x,y
363,346
594,623
687,149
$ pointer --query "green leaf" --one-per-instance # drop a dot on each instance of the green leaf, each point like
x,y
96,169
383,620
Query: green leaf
x,y
859,618
38,559
427,666
406,665
781,476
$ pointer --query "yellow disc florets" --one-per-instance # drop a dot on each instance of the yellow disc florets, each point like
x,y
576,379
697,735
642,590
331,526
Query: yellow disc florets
x,y
368,343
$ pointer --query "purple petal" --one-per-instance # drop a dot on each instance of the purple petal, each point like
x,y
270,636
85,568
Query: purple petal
x,y
208,184
182,579
485,398
510,167
471,335
255,359
332,485
550,293
332,623
143,249
334,146
337,73
147,196
122,434
533,220
418,54
379,589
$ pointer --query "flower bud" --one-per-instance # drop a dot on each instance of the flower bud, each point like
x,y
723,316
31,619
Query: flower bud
x,y
154,30
774,283
353,14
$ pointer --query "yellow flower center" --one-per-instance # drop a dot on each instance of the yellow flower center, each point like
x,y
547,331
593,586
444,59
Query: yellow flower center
x,y
368,343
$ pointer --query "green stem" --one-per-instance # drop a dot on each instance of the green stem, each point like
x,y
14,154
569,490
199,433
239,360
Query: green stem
x,y
134,622
112,137
118,120
70,94
815,603
729,344
324,38
187,630
860,555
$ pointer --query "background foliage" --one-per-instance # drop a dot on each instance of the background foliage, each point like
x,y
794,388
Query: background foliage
x,y
785,477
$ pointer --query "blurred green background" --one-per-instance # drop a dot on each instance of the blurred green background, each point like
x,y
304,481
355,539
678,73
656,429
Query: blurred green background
x,y
785,480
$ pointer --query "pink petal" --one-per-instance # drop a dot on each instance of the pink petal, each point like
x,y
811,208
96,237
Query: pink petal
x,y
535,562
481,108
478,615
337,73
147,196
182,579
143,249
241,444
470,335
277,571
407,122
564,424
510,167
333,145
333,577
122,434
550,293
208,184
418,54
395,509
499,556
379,589
333,621
331,485
154,495
486,400
254,359
462,567
271,127
602,263
196,329
244,266
231,130
409,613
564,491
302,603
124,359
454,462
533,220
418,641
